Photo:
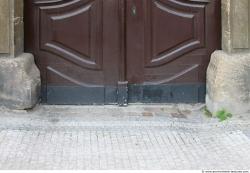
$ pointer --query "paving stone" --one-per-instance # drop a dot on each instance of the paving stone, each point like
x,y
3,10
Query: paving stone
x,y
71,137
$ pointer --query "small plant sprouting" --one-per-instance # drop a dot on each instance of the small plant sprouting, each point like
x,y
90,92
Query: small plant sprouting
x,y
208,113
223,115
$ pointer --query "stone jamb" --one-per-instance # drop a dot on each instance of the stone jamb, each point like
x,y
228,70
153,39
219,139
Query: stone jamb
x,y
228,74
19,77
235,25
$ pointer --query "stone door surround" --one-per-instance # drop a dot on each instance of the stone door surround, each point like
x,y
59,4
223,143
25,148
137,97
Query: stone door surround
x,y
228,75
19,76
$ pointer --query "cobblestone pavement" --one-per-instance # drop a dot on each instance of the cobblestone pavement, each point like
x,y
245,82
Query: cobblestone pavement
x,y
136,137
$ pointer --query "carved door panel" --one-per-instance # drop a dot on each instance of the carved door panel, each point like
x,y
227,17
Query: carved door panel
x,y
76,45
169,44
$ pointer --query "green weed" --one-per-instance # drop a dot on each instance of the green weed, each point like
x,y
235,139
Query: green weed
x,y
223,115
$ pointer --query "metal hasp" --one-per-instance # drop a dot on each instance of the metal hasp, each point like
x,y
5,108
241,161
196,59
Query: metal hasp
x,y
122,93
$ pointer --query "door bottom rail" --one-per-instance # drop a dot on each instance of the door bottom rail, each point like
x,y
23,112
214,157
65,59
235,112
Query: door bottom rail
x,y
123,94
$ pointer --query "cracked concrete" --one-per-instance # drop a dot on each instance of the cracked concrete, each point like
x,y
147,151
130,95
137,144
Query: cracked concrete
x,y
110,137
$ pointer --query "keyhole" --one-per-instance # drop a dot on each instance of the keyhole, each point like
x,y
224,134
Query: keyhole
x,y
134,10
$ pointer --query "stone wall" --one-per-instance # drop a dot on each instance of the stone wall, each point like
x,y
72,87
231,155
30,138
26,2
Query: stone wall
x,y
19,76
228,75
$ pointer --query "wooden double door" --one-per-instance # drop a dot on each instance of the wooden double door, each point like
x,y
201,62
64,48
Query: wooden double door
x,y
122,51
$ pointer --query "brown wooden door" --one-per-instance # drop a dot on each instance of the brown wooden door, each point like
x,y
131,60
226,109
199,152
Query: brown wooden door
x,y
169,43
109,51
76,45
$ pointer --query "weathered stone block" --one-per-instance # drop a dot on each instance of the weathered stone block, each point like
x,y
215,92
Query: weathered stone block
x,y
228,82
19,82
